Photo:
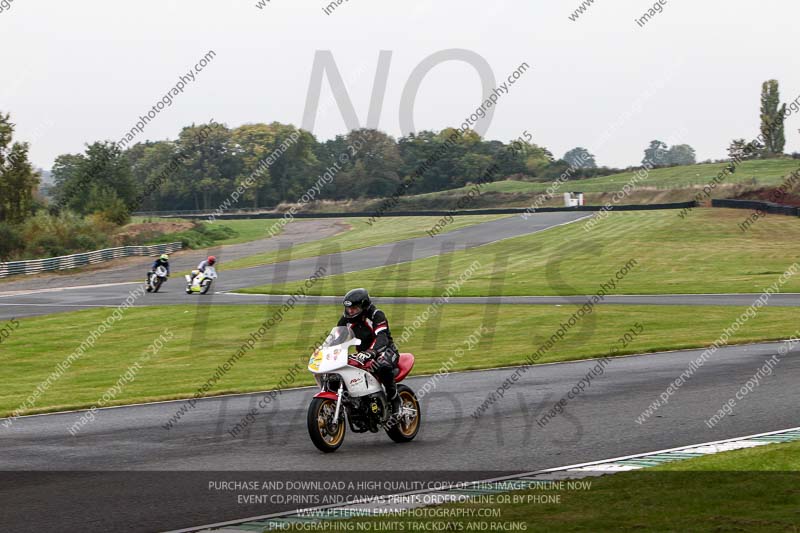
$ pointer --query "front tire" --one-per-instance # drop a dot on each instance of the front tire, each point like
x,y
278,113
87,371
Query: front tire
x,y
411,417
205,288
157,284
320,427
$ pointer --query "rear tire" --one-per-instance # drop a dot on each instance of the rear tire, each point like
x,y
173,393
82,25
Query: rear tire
x,y
319,414
408,426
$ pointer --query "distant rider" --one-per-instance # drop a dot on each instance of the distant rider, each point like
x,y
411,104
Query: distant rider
x,y
161,261
369,324
210,262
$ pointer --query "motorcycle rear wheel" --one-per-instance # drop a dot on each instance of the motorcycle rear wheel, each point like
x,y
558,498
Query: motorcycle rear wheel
x,y
319,422
407,428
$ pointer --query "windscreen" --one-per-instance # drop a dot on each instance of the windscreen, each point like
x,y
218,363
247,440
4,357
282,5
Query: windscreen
x,y
338,335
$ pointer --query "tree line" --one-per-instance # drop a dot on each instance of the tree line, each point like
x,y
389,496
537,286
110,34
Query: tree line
x,y
264,165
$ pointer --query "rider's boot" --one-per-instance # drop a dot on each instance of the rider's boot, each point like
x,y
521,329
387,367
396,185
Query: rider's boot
x,y
394,398
396,405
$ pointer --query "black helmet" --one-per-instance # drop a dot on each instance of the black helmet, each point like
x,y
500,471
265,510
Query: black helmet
x,y
356,298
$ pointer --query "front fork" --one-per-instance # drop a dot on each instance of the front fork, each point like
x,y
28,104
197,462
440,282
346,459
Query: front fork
x,y
338,404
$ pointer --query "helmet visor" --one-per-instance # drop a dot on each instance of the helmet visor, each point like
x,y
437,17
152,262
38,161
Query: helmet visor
x,y
352,310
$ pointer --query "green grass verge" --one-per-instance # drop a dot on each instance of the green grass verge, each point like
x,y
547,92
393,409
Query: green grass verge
x,y
247,230
214,234
767,172
704,253
361,235
745,490
205,337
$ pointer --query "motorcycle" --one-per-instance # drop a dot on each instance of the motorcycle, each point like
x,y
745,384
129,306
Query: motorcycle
x,y
155,279
348,391
201,282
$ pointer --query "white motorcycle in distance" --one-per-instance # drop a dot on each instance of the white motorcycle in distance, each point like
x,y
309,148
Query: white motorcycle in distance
x,y
201,282
155,279
349,391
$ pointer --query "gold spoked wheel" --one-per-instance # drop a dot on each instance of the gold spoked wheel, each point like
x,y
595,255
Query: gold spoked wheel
x,y
326,433
407,425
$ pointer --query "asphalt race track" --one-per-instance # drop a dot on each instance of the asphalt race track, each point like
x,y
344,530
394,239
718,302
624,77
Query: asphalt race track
x,y
127,472
599,424
109,288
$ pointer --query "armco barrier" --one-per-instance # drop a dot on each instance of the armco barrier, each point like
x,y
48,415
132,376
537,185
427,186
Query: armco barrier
x,y
437,213
89,258
753,205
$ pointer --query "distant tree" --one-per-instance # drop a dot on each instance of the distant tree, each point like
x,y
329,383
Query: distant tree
x,y
656,154
253,145
98,181
206,174
580,158
152,165
680,155
65,173
772,118
741,150
374,161
18,180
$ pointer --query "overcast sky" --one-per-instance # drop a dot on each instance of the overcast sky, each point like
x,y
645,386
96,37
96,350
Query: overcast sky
x,y
77,72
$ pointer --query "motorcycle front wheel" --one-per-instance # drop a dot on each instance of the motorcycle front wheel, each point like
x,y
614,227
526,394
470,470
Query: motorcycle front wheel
x,y
325,435
205,288
157,284
407,427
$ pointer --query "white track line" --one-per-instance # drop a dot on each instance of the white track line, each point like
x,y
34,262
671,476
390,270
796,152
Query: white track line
x,y
60,305
58,289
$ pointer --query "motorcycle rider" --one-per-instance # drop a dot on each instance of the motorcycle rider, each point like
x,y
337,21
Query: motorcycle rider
x,y
211,261
369,324
161,261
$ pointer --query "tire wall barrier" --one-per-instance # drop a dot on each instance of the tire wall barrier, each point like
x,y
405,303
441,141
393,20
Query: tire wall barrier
x,y
753,205
66,262
438,213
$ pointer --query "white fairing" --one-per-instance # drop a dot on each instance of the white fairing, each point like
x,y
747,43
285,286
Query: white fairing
x,y
210,273
332,358
161,272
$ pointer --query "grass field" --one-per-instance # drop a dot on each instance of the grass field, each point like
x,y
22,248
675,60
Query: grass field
x,y
704,253
767,172
361,235
205,337
752,490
